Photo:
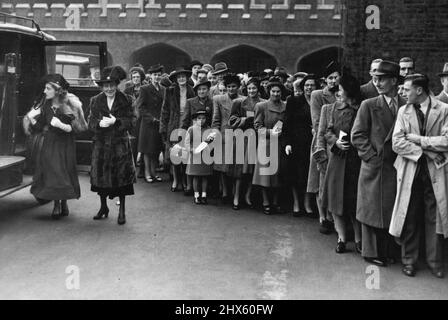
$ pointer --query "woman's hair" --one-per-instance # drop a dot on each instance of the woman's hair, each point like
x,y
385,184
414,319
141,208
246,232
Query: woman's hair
x,y
352,87
61,94
255,82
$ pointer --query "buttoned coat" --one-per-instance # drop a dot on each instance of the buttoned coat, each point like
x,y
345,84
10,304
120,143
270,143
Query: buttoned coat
x,y
149,104
435,141
194,105
372,137
443,97
170,113
267,114
368,91
318,99
222,106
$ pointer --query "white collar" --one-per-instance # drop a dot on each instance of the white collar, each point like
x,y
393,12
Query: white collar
x,y
388,99
425,104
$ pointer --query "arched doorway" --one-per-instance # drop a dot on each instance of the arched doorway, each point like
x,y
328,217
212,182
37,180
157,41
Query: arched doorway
x,y
243,58
316,61
165,54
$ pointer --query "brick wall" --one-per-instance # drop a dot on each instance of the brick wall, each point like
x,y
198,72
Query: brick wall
x,y
415,28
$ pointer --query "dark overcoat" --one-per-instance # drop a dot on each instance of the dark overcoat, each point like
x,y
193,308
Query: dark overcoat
x,y
194,105
297,133
170,113
112,162
149,104
368,91
372,137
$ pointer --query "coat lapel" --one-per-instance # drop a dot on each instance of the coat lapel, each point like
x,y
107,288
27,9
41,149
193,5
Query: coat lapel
x,y
434,114
411,117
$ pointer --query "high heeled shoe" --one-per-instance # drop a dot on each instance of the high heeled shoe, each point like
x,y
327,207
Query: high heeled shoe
x,y
101,213
121,219
64,209
56,214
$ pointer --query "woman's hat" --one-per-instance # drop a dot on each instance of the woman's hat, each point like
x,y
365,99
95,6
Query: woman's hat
x,y
332,67
220,67
140,71
155,68
232,78
310,76
198,113
179,70
57,79
275,82
195,63
112,74
202,83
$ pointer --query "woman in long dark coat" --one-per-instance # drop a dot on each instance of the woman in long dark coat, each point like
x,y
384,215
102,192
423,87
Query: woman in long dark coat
x,y
173,109
297,136
59,117
267,115
341,178
242,117
149,105
111,117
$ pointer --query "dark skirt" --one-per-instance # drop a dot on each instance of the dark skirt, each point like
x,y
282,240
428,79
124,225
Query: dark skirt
x,y
56,177
149,140
114,192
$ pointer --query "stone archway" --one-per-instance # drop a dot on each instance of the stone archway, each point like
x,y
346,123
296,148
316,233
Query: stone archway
x,y
165,54
316,61
243,58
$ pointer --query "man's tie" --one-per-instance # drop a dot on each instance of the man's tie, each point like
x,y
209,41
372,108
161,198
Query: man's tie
x,y
421,118
393,107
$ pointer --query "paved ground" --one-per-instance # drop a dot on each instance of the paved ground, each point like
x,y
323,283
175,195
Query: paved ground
x,y
173,249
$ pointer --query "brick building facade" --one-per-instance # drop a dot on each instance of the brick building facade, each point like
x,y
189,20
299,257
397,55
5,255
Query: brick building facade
x,y
414,28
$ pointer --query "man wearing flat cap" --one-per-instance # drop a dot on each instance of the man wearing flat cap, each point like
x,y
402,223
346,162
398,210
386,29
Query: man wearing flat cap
x,y
372,137
443,96
318,99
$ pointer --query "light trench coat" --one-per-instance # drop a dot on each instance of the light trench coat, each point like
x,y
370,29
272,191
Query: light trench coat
x,y
435,141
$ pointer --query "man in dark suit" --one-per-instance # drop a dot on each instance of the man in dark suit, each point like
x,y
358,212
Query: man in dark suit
x,y
368,90
149,104
443,96
371,136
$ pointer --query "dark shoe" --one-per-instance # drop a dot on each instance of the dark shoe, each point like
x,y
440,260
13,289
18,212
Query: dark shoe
x,y
278,209
225,199
377,261
236,207
197,200
340,248
312,215
299,213
64,209
325,227
267,209
408,270
56,214
438,273
358,247
204,200
121,219
248,205
101,213
149,179
158,179
173,189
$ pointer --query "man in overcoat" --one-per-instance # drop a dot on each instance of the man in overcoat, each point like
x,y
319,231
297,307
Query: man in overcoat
x,y
368,90
420,139
372,137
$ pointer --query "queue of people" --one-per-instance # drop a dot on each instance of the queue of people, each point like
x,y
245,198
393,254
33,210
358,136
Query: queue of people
x,y
368,161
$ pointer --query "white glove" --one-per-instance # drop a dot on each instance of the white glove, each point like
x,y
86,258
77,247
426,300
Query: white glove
x,y
288,150
112,119
104,123
55,122
33,113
